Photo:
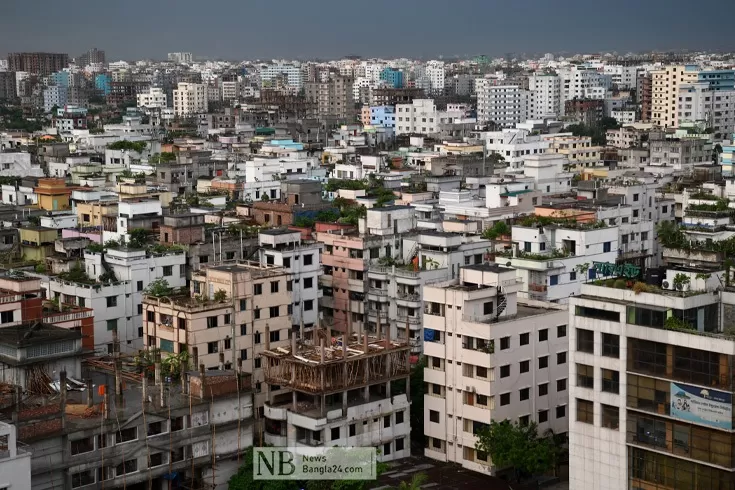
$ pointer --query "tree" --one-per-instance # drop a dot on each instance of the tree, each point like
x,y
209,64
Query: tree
x,y
517,446
500,228
417,480
138,238
158,288
220,296
716,151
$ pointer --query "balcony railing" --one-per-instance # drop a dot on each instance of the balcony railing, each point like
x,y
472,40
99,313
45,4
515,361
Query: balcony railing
x,y
411,320
378,292
409,296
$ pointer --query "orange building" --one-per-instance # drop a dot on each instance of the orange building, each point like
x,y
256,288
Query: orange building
x,y
53,194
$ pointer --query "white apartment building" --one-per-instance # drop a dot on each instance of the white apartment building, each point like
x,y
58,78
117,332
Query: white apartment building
x,y
581,82
436,74
624,116
230,90
490,357
19,165
513,145
505,105
283,247
177,58
118,304
154,98
190,99
291,72
548,174
15,460
578,149
545,96
54,95
623,77
420,116
650,395
665,92
546,258
701,104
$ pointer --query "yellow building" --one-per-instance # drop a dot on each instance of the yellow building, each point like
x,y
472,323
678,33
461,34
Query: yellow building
x,y
578,149
53,194
665,92
36,242
90,213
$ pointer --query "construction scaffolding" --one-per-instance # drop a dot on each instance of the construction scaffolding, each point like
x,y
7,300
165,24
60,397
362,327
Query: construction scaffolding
x,y
325,369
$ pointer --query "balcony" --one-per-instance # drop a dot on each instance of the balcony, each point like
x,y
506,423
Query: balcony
x,y
381,314
407,319
377,293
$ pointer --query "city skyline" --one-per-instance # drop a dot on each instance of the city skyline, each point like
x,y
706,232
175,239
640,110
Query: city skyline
x,y
435,29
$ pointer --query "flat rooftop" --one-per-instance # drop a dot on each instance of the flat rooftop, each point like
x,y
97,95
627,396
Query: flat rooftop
x,y
489,267
33,333
278,231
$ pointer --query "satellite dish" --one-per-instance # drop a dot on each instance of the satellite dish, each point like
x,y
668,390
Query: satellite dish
x,y
665,284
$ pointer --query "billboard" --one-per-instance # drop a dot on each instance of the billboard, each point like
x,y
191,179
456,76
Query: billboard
x,y
701,406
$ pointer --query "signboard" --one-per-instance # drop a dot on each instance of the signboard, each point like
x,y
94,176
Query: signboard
x,y
701,406
607,269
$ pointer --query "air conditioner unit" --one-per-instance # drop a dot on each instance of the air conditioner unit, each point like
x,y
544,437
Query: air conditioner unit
x,y
665,284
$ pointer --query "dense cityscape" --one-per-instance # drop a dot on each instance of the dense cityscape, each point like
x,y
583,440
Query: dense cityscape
x,y
499,272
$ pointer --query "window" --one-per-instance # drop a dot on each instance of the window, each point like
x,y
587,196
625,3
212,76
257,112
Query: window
x,y
139,286
543,416
561,358
607,246
352,430
308,305
274,311
524,394
228,344
126,467
543,362
597,313
554,280
561,411
561,331
487,308
168,270
635,197
505,371
399,444
524,366
243,354
112,324
504,399
155,460
140,309
504,343
80,479
81,446
126,435
585,411
212,347
111,301
257,363
610,381
610,417
543,335
308,259
256,313
150,316
561,385
287,262
275,335
434,416
274,286
543,389
585,341
585,376
335,433
243,304
610,345
227,319
524,338
308,282
573,276
212,321
386,421
257,289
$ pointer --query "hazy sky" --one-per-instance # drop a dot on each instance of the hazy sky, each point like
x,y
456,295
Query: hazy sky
x,y
251,29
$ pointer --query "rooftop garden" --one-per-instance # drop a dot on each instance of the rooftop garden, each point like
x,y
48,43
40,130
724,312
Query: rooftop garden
x,y
672,236
164,157
556,253
137,146
533,220
717,205
498,229
681,284
706,196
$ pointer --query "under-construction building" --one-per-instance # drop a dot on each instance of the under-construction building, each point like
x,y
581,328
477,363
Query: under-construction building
x,y
340,393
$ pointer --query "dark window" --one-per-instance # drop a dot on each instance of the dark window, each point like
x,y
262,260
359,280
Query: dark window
x,y
399,444
504,399
243,304
505,371
524,338
81,446
585,341
585,411
308,305
129,466
543,335
561,385
543,389
274,286
111,301
487,308
597,313
353,430
610,345
399,417
257,289
227,319
274,311
275,335
308,282
139,286
561,358
243,329
256,313
610,417
585,376
308,259
607,246
543,416
505,343
524,366
155,460
524,394
155,428
168,270
335,433
212,347
434,416
228,344
212,321
386,421
561,411
543,362
126,435
561,331
610,381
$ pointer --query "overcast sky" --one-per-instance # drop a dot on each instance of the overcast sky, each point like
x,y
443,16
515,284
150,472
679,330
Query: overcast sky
x,y
260,29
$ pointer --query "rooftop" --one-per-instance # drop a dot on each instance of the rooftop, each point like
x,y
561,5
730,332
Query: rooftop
x,y
278,231
489,267
33,333
311,354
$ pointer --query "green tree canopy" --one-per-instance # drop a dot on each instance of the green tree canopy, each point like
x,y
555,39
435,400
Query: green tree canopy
x,y
512,445
158,288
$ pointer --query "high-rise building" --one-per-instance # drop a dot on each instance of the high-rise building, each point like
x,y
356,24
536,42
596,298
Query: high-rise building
x,y
91,57
180,57
393,76
43,64
546,95
651,388
489,357
333,98
665,92
435,72
8,85
190,99
154,98
504,105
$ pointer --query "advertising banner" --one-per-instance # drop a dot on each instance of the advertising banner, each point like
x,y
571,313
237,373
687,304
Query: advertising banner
x,y
701,406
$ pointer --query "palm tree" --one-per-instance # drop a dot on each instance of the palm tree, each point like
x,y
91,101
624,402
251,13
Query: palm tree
x,y
417,480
